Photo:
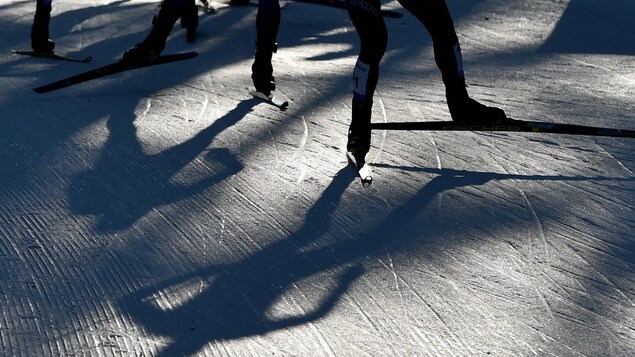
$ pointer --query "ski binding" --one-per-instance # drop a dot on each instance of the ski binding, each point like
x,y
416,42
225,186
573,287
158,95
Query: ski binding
x,y
275,99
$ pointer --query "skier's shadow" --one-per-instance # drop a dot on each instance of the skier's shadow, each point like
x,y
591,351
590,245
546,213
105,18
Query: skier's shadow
x,y
239,297
126,183
609,30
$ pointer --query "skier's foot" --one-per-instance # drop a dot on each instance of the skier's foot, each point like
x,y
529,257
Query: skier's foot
x,y
464,109
44,45
263,83
262,69
468,110
141,53
358,142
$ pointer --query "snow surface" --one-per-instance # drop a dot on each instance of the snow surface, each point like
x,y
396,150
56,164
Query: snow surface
x,y
165,212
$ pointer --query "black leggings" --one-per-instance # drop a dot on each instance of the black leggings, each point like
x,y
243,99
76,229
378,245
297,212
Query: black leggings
x,y
267,22
40,27
369,23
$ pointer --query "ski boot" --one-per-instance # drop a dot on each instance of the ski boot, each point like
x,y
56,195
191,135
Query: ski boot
x,y
263,83
464,109
141,53
43,46
150,48
359,130
262,70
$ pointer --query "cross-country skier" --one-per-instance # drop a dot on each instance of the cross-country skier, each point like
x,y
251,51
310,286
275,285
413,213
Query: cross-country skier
x,y
435,16
267,24
171,10
40,41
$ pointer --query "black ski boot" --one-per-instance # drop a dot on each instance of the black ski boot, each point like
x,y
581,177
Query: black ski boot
x,y
40,41
44,46
262,70
464,109
150,48
359,131
142,52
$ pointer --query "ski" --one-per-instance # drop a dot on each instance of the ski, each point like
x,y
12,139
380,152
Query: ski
x,y
275,99
51,55
510,125
211,9
341,4
363,169
113,68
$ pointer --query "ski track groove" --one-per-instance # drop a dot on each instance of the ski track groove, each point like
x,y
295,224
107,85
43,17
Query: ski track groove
x,y
592,238
380,149
621,164
296,336
458,341
437,156
596,66
373,326
445,343
273,221
276,151
544,271
391,268
440,343
607,282
524,323
322,341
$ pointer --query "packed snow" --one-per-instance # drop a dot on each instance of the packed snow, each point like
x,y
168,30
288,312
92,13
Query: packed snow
x,y
165,211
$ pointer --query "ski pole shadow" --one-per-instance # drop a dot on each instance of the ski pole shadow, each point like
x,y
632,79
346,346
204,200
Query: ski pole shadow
x,y
126,183
396,227
460,178
238,298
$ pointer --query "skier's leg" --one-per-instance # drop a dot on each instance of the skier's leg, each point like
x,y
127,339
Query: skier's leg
x,y
189,20
40,30
435,16
370,26
150,48
267,25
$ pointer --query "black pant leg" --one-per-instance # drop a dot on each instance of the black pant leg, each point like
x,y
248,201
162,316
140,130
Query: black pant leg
x,y
435,16
40,28
371,28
